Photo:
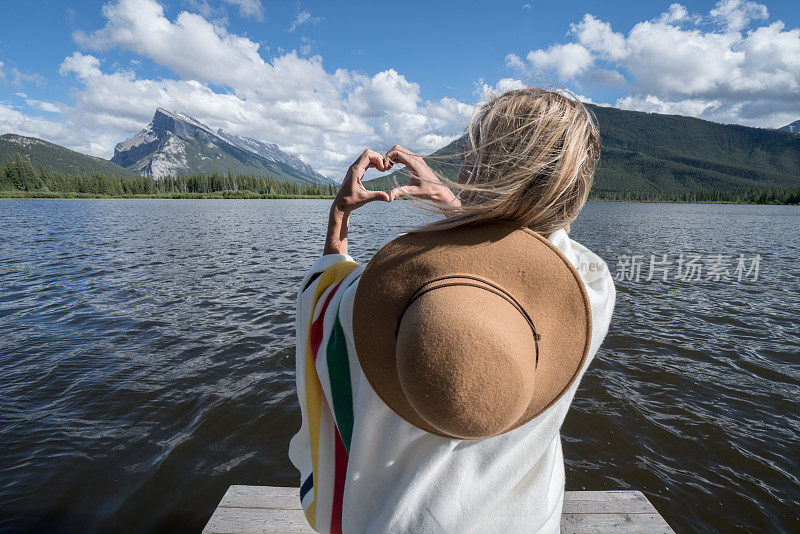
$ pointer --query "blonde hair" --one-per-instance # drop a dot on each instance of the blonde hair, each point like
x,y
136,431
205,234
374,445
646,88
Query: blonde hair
x,y
534,154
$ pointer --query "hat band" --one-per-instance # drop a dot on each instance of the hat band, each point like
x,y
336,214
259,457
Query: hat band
x,y
493,288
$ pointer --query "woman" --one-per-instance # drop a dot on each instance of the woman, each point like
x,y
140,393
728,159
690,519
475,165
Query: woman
x,y
433,383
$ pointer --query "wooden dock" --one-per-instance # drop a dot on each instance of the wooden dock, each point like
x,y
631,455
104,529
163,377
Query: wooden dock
x,y
265,509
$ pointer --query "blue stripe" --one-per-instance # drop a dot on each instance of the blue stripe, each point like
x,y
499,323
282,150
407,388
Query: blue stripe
x,y
311,281
307,485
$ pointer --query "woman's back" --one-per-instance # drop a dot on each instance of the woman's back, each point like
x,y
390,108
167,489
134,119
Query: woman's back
x,y
390,439
389,476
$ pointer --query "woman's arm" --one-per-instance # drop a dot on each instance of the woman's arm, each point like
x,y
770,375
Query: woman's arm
x,y
352,194
336,239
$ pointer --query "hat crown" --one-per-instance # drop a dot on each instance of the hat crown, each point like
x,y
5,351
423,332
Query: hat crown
x,y
526,266
465,359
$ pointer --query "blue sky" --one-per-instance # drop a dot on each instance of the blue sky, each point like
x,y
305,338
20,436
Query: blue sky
x,y
323,79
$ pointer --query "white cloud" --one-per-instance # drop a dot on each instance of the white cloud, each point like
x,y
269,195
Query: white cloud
x,y
325,117
43,105
18,78
301,18
85,66
485,91
14,121
736,15
705,66
674,13
192,47
598,37
306,44
589,100
653,104
608,77
249,8
667,60
515,62
566,60
385,90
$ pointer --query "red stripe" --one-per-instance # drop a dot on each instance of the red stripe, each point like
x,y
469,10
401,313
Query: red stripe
x,y
316,326
340,455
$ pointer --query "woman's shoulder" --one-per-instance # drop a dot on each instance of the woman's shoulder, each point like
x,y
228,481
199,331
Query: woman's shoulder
x,y
592,270
591,267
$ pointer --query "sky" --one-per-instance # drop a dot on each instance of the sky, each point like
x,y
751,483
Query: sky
x,y
324,80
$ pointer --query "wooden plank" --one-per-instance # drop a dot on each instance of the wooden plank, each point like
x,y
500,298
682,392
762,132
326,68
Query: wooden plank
x,y
605,495
261,497
616,523
257,521
607,502
266,509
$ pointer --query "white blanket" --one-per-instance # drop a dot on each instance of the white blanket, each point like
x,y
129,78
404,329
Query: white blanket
x,y
364,469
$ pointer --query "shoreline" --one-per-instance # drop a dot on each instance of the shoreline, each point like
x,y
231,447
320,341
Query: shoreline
x,y
236,195
691,202
164,196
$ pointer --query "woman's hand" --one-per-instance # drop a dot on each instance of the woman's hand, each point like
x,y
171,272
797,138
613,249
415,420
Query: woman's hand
x,y
352,194
423,183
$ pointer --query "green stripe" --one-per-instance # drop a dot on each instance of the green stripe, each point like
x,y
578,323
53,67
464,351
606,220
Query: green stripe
x,y
339,375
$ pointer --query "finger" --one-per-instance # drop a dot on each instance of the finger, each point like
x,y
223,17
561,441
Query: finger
x,y
404,191
369,158
401,149
402,155
377,195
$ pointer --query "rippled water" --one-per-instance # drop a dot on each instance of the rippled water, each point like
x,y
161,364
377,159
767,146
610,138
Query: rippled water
x,y
146,360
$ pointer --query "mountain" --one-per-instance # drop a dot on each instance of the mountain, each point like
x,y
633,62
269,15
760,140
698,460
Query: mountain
x,y
270,152
174,143
55,157
791,128
652,153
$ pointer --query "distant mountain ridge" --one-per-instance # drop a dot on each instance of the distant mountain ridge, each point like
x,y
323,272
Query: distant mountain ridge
x,y
650,152
55,157
174,143
792,128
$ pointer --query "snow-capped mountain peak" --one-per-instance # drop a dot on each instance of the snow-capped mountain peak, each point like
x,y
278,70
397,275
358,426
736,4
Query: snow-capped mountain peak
x,y
792,128
175,143
269,151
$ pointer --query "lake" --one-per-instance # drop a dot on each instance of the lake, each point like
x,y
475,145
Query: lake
x,y
146,358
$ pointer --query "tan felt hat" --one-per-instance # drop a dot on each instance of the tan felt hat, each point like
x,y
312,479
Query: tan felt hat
x,y
471,332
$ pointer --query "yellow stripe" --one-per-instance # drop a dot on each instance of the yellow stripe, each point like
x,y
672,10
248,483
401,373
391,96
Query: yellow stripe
x,y
331,276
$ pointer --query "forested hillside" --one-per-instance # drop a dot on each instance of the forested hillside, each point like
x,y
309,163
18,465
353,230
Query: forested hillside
x,y
645,152
54,157
648,156
19,178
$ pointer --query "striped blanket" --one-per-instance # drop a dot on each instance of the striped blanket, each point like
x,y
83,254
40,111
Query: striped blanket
x,y
327,391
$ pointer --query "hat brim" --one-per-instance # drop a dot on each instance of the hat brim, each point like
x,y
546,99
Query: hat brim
x,y
521,261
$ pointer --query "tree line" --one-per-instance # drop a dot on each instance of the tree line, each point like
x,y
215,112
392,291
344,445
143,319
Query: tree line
x,y
19,175
757,195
